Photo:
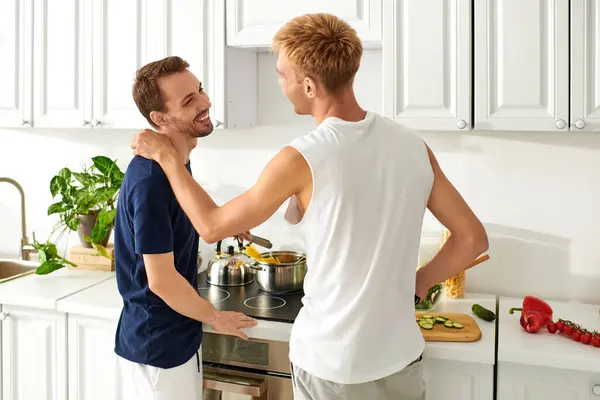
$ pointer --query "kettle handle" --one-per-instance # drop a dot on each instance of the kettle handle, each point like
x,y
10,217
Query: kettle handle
x,y
218,251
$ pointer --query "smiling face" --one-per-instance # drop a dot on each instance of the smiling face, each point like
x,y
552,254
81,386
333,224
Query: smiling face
x,y
186,105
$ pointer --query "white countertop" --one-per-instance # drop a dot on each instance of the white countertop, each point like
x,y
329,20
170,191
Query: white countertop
x,y
544,349
43,291
103,301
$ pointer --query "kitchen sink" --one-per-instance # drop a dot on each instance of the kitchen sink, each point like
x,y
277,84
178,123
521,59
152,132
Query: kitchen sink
x,y
11,269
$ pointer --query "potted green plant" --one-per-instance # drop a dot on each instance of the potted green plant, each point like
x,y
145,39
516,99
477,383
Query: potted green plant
x,y
88,200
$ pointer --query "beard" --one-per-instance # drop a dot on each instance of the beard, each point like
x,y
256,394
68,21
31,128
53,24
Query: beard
x,y
193,128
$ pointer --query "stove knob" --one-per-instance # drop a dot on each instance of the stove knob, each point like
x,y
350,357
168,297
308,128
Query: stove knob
x,y
596,390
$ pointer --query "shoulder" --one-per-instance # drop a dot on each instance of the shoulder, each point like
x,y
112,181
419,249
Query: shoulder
x,y
144,176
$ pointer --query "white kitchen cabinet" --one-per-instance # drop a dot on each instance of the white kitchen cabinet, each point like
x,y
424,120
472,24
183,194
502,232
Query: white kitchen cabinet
x,y
34,352
526,382
585,65
16,19
522,65
457,380
62,64
86,54
93,373
254,23
427,63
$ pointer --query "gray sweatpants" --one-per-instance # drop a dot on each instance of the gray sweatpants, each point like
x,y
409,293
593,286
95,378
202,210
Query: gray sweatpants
x,y
407,384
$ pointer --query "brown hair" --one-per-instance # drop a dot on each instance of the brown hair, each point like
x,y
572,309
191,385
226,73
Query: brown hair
x,y
321,46
146,92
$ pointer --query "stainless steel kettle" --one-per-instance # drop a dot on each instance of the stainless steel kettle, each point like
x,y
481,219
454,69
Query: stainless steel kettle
x,y
229,268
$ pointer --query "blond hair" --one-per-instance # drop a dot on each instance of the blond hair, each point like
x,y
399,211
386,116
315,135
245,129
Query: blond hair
x,y
321,46
146,92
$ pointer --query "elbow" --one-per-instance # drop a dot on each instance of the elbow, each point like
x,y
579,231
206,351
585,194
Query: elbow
x,y
161,289
210,237
478,240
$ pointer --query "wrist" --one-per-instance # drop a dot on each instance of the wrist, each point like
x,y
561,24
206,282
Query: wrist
x,y
166,155
214,317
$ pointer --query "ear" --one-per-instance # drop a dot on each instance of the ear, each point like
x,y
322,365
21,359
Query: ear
x,y
158,118
310,87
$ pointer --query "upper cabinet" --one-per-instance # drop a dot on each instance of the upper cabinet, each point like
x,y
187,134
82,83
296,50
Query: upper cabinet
x,y
522,65
77,58
254,23
62,67
427,63
15,65
585,65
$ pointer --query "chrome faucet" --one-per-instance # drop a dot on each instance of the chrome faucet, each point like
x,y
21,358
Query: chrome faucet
x,y
26,248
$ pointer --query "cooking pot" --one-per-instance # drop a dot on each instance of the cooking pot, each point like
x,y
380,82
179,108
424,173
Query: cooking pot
x,y
229,268
285,277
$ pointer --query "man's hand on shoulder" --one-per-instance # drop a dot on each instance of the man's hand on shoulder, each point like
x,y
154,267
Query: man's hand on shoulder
x,y
152,145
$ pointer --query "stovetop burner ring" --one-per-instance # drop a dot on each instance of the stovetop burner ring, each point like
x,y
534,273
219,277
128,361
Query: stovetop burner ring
x,y
278,302
222,297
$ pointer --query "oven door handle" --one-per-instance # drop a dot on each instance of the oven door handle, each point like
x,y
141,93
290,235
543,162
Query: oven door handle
x,y
229,383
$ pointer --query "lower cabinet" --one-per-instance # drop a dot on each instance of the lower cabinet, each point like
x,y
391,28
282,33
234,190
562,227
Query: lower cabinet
x,y
34,350
93,373
457,380
527,382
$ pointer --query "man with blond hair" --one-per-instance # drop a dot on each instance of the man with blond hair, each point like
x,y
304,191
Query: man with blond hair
x,y
159,332
359,185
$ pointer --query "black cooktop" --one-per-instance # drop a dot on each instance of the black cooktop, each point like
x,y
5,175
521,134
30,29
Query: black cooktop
x,y
251,300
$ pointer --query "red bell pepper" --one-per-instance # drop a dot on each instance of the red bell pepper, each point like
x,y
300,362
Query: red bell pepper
x,y
531,320
531,303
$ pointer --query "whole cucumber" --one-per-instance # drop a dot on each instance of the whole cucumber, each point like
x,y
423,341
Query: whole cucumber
x,y
483,312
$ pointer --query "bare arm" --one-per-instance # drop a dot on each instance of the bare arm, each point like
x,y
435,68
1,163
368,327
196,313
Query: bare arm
x,y
177,293
285,175
468,238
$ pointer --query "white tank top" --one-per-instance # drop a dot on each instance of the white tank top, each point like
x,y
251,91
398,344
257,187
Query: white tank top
x,y
362,228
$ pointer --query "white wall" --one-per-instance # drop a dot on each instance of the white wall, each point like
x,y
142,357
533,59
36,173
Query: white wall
x,y
537,193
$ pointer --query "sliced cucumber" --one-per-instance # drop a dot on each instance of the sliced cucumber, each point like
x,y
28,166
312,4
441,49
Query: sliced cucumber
x,y
448,324
457,325
427,316
440,319
426,326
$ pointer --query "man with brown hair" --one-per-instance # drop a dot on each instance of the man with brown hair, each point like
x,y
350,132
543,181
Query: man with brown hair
x,y
156,249
359,185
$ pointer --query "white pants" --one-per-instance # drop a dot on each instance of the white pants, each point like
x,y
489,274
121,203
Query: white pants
x,y
143,382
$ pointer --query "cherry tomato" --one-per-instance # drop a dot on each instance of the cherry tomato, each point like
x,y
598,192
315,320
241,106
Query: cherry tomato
x,y
568,330
586,338
576,336
596,341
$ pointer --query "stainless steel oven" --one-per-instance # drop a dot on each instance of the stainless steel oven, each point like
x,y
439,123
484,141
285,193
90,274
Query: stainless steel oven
x,y
236,369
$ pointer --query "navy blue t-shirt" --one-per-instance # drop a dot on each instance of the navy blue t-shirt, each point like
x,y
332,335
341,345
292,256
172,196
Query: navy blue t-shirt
x,y
149,220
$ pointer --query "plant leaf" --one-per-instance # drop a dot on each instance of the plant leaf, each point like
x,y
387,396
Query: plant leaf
x,y
55,208
104,165
72,222
65,173
102,251
42,255
48,267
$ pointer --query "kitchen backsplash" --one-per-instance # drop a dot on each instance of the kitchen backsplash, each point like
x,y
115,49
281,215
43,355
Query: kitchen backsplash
x,y
537,193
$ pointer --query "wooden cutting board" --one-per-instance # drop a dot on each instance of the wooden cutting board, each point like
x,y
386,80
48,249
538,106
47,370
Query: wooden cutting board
x,y
469,333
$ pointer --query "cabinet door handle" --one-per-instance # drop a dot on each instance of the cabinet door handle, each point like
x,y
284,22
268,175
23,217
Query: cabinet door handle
x,y
561,124
596,390
461,124
95,122
86,122
580,124
24,122
217,123
4,315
